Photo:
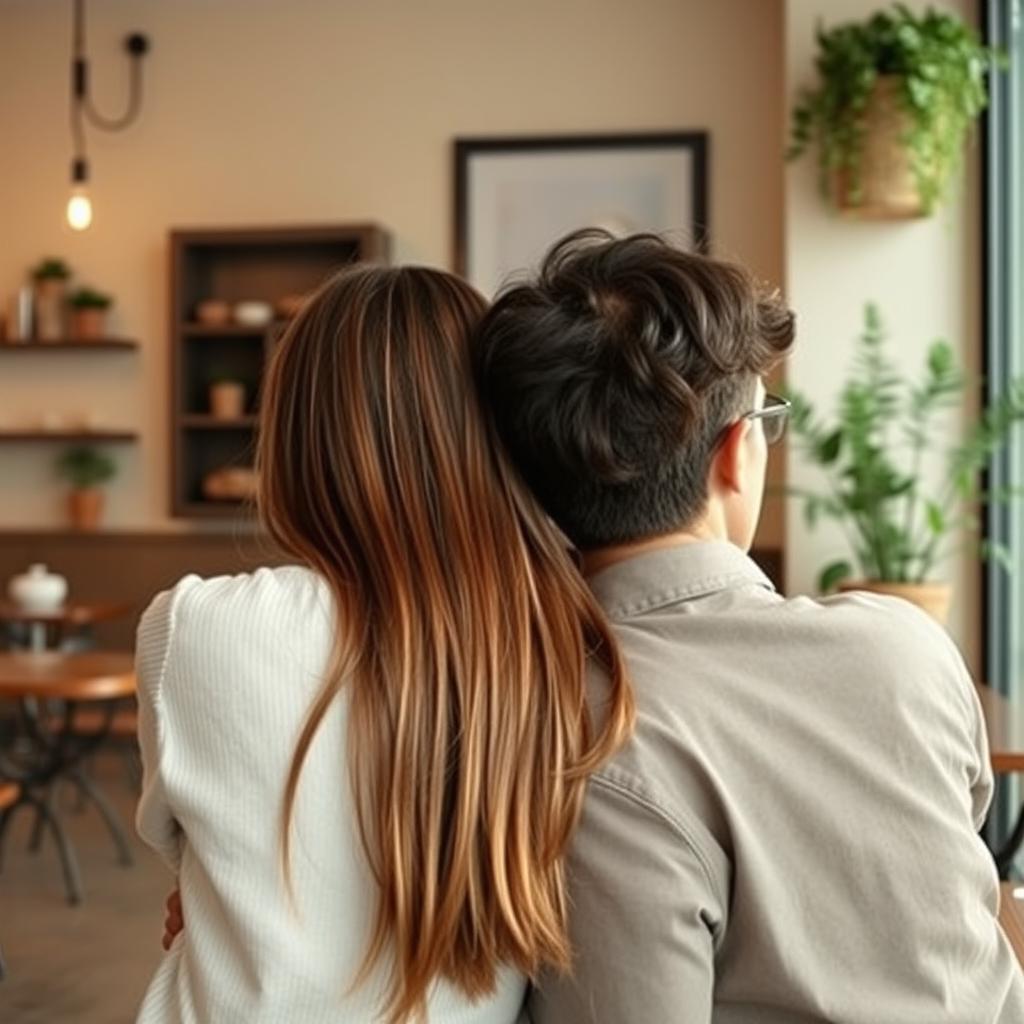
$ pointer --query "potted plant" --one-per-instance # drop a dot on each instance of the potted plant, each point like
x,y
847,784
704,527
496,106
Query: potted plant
x,y
86,469
89,314
872,455
227,396
896,97
50,279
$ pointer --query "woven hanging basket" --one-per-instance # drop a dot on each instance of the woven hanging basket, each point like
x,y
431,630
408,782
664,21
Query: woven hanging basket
x,y
888,189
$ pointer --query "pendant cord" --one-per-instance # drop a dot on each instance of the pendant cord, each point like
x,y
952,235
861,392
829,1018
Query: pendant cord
x,y
137,47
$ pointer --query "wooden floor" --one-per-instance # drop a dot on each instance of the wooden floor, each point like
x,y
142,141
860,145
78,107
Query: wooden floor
x,y
88,964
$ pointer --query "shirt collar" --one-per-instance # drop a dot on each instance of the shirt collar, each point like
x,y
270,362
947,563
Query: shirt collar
x,y
672,574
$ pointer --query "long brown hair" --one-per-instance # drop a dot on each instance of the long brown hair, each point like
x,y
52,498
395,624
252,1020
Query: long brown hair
x,y
464,631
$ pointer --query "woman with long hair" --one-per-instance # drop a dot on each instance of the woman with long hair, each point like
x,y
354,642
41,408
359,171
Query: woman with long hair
x,y
365,767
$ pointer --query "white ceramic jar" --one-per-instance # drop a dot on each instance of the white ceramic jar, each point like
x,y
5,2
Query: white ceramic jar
x,y
253,313
38,590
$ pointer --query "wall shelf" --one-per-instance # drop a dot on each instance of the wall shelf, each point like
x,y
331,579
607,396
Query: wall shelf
x,y
71,345
223,509
64,436
197,330
204,421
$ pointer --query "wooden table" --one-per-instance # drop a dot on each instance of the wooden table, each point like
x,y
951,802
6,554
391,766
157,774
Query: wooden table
x,y
1005,723
1011,916
76,615
49,687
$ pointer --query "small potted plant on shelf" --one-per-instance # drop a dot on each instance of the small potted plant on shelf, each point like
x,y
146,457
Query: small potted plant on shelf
x,y
896,98
86,469
227,396
50,279
873,454
89,314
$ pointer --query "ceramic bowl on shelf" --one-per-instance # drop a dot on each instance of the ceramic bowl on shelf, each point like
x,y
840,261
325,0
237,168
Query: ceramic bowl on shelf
x,y
38,590
213,312
253,314
234,483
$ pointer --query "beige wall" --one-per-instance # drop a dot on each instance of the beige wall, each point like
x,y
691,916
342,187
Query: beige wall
x,y
260,112
924,274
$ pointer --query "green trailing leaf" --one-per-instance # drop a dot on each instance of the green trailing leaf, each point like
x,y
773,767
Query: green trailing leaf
x,y
941,64
834,574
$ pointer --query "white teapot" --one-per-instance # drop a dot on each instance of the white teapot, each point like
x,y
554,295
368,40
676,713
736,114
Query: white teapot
x,y
38,590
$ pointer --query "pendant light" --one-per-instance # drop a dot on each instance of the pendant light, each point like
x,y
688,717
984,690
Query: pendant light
x,y
136,45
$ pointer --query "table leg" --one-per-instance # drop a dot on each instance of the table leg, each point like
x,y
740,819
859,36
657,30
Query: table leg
x,y
54,754
36,839
37,636
5,818
68,860
108,814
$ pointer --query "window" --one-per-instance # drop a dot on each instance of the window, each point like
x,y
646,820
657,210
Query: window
x,y
1004,359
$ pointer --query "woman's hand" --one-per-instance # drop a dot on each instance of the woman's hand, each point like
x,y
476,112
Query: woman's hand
x,y
173,922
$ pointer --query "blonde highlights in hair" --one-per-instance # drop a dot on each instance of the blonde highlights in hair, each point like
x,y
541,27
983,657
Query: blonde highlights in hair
x,y
464,631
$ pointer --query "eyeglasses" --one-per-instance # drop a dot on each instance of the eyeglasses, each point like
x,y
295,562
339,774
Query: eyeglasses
x,y
774,415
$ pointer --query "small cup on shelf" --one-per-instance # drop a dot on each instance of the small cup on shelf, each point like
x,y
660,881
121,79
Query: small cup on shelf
x,y
213,312
227,400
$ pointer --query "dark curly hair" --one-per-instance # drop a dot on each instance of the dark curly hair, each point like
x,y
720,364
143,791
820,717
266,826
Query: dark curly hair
x,y
611,377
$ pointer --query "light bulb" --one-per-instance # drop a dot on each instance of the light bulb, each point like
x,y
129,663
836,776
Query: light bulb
x,y
79,210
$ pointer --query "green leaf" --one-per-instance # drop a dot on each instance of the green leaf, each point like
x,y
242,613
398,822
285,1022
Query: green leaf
x,y
999,554
832,575
936,518
828,449
811,509
940,359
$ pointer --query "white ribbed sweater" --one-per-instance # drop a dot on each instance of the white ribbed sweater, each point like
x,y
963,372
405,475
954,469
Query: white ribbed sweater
x,y
228,669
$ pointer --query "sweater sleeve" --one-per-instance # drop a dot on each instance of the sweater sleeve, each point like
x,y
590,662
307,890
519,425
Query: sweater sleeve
x,y
154,817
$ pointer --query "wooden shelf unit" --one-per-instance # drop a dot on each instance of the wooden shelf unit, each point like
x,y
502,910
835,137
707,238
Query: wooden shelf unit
x,y
204,421
238,265
70,345
192,329
73,436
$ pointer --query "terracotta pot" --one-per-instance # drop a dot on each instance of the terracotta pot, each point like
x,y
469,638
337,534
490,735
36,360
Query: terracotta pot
x,y
89,324
85,507
227,400
888,188
50,296
213,312
933,598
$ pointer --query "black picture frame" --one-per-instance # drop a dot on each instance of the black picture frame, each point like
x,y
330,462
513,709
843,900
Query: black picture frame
x,y
474,153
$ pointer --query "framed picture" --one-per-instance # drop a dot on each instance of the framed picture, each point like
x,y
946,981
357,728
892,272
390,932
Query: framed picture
x,y
514,197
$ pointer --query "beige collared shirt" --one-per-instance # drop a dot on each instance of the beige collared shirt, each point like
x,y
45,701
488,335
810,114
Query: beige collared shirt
x,y
791,835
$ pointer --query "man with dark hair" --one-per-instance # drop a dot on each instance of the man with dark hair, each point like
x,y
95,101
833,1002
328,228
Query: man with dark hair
x,y
791,833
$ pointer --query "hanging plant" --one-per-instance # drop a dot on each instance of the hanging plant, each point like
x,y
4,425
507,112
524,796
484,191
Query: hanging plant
x,y
896,99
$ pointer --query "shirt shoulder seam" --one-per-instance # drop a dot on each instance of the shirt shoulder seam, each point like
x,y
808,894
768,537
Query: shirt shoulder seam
x,y
705,586
673,821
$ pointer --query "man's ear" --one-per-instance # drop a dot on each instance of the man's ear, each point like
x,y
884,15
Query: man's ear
x,y
730,458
